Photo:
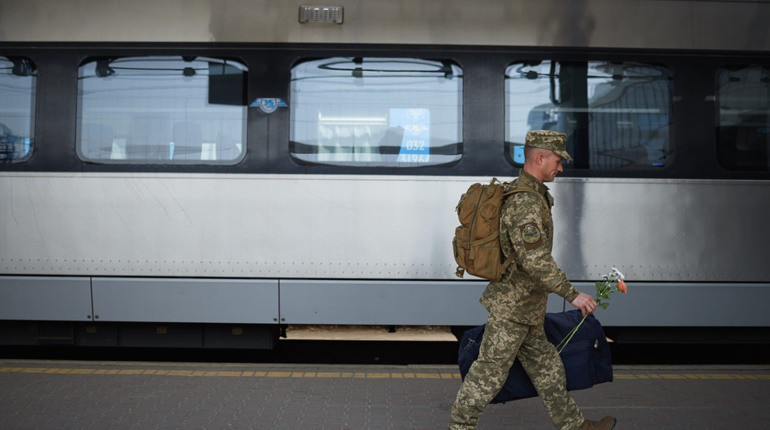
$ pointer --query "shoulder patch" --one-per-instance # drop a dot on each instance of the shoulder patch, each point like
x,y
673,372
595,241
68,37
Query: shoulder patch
x,y
530,233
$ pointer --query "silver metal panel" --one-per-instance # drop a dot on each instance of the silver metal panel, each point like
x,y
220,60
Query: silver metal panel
x,y
364,227
712,24
667,232
45,299
686,305
186,300
663,230
386,303
255,226
382,303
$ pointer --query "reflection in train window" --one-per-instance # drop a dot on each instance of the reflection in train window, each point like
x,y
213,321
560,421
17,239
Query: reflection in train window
x,y
616,114
743,103
396,112
161,110
18,77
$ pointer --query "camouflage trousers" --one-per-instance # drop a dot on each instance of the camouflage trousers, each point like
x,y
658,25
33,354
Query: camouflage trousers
x,y
503,341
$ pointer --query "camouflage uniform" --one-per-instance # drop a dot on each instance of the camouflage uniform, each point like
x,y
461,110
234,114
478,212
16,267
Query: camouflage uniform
x,y
516,307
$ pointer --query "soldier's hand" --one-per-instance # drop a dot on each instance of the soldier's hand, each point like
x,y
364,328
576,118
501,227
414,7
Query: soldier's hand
x,y
585,303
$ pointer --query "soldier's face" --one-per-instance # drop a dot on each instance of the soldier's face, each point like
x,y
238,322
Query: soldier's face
x,y
551,166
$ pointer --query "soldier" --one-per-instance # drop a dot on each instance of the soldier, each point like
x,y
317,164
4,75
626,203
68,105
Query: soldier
x,y
517,303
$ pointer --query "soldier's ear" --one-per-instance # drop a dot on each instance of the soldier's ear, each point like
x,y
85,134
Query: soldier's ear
x,y
539,157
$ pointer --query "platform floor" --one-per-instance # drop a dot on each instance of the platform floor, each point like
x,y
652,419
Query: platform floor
x,y
43,394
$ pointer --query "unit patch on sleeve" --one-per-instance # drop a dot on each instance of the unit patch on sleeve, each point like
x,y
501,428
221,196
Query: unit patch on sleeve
x,y
530,234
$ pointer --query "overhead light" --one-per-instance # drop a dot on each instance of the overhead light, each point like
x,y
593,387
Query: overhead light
x,y
320,14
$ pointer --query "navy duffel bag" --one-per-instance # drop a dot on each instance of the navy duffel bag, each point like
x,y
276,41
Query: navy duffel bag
x,y
586,357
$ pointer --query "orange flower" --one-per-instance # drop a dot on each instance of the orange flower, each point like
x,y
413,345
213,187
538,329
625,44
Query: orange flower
x,y
622,286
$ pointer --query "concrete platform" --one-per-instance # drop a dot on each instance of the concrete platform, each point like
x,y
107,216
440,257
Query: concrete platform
x,y
40,394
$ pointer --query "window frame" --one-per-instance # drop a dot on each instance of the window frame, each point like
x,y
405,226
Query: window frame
x,y
20,67
514,150
406,127
184,128
745,159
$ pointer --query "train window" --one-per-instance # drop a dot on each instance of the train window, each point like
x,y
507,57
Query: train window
x,y
18,79
743,123
161,110
616,114
386,112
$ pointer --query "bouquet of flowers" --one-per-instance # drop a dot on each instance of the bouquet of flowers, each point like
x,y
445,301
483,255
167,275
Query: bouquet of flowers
x,y
608,285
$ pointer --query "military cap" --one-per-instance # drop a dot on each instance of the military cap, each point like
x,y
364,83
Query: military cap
x,y
547,139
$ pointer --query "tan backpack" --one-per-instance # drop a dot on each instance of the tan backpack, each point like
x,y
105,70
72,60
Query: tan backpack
x,y
477,243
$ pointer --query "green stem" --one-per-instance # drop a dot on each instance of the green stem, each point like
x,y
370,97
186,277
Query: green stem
x,y
566,337
569,335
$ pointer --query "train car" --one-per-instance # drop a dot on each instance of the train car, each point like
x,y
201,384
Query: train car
x,y
202,173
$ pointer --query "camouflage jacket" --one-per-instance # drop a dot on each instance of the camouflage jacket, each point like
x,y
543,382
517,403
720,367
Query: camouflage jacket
x,y
526,229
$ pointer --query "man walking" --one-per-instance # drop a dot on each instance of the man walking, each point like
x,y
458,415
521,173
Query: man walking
x,y
517,303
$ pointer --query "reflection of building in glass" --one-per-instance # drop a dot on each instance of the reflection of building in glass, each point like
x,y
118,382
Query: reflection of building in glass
x,y
169,110
615,114
18,80
395,112
743,98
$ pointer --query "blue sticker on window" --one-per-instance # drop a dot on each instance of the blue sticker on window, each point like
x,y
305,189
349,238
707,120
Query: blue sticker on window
x,y
268,105
415,143
518,153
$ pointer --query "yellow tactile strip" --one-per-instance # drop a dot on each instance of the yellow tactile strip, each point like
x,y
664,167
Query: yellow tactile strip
x,y
247,374
691,376
344,374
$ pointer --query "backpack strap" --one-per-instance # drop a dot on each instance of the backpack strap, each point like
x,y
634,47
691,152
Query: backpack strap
x,y
517,189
